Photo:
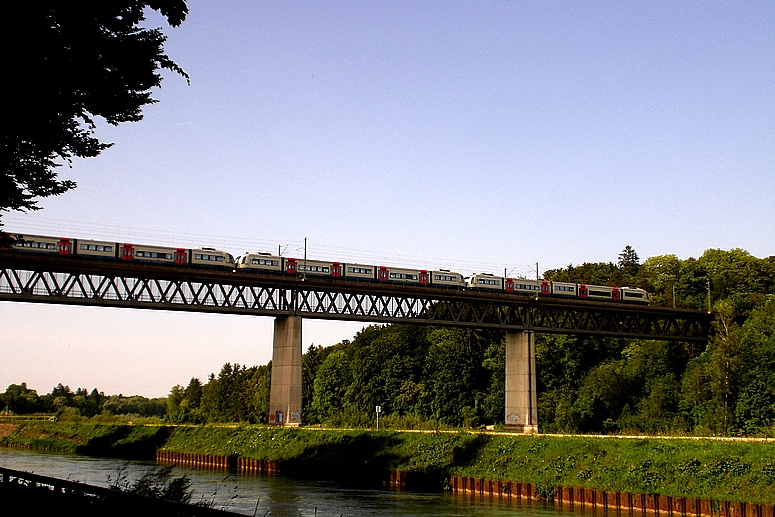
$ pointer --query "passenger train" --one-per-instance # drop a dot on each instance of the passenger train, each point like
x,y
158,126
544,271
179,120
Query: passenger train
x,y
276,264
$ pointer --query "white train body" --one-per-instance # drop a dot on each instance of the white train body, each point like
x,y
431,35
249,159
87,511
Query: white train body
x,y
260,261
485,282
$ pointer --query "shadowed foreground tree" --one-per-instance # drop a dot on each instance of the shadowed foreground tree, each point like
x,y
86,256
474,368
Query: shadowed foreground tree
x,y
67,63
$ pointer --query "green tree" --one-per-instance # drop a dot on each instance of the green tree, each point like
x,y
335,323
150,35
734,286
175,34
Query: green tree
x,y
258,388
134,405
724,365
72,62
175,399
227,398
629,262
20,400
494,363
455,381
192,395
310,363
660,275
755,408
333,379
383,358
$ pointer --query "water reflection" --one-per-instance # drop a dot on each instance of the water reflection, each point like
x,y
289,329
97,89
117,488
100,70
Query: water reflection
x,y
265,495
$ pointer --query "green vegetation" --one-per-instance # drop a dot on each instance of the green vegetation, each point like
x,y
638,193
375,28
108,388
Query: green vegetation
x,y
238,394
65,404
157,483
734,471
722,470
117,440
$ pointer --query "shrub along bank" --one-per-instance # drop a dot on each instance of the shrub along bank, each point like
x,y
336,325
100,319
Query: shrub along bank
x,y
709,469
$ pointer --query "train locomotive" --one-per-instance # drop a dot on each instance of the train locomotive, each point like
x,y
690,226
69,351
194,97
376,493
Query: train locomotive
x,y
275,264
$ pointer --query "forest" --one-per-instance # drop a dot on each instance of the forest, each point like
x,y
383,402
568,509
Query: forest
x,y
430,377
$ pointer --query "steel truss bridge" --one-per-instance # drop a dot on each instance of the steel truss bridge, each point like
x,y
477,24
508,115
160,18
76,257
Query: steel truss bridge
x,y
76,281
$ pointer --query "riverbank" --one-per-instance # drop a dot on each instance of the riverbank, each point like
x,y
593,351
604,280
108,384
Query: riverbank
x,y
703,469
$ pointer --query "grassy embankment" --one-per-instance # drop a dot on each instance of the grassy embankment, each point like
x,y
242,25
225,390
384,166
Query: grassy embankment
x,y
734,471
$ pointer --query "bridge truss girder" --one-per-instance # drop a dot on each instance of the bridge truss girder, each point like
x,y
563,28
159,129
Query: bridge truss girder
x,y
142,286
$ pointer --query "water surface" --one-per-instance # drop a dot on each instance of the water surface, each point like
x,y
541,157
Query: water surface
x,y
274,495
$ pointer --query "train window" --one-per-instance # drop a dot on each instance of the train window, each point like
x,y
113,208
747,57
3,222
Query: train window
x,y
359,270
600,293
633,295
38,245
153,254
564,288
96,247
265,262
316,269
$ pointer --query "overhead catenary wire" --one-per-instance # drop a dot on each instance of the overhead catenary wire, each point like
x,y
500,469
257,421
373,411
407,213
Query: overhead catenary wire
x,y
18,223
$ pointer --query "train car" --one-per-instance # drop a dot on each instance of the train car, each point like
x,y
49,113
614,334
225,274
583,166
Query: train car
x,y
153,254
42,244
359,272
261,261
485,281
522,286
210,257
96,249
563,290
448,279
314,267
598,293
403,276
634,295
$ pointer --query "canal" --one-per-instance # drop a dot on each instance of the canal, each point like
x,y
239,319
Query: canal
x,y
275,495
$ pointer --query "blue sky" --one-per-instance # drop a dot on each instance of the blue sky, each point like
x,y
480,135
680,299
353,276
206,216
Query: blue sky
x,y
473,136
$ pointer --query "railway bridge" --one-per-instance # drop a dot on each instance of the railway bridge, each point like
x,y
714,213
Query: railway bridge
x,y
289,299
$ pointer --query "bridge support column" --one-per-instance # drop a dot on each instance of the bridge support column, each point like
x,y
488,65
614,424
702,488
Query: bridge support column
x,y
521,395
285,390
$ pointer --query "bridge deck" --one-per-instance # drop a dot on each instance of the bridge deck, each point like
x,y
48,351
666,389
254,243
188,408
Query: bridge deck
x,y
78,281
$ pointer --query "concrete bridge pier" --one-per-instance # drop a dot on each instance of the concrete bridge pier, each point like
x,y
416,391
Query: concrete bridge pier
x,y
521,394
285,390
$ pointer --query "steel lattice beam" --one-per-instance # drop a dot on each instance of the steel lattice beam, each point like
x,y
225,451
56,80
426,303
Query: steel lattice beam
x,y
88,282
